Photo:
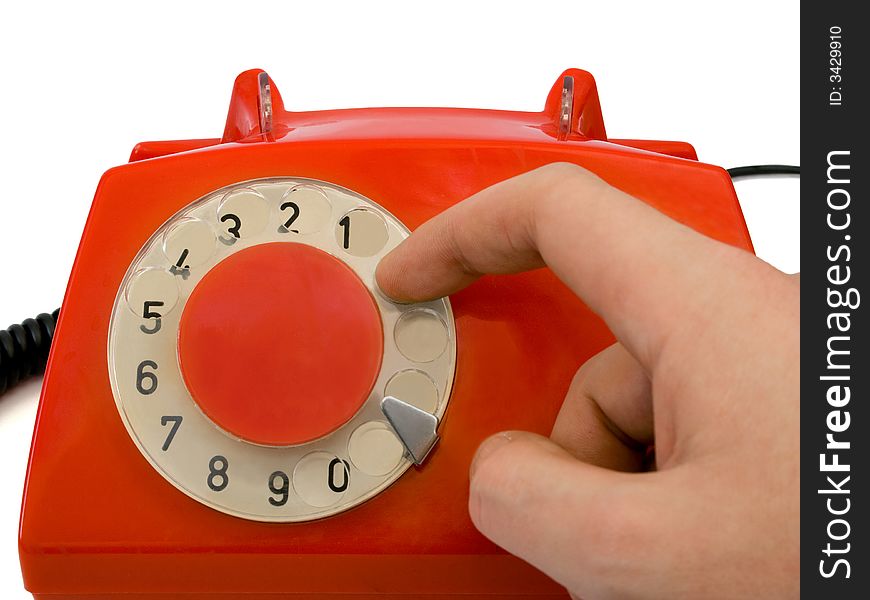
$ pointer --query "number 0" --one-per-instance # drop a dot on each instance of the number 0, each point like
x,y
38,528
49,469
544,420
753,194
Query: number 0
x,y
345,469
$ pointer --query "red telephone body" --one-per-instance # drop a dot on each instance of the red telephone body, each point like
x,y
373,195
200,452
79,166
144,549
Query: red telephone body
x,y
98,520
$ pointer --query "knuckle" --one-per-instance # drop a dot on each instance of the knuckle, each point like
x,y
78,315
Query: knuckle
x,y
560,174
566,187
585,376
583,373
562,169
453,247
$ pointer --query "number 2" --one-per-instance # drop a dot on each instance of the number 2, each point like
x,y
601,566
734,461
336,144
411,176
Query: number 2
x,y
295,208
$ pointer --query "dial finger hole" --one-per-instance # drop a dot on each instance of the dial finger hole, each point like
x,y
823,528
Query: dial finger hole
x,y
414,387
304,209
151,290
361,232
374,449
188,243
242,213
421,335
321,479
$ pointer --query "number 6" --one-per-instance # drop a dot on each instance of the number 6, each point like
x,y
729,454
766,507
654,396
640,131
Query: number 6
x,y
142,376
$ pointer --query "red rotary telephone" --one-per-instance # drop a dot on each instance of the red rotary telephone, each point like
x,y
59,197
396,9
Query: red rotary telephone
x,y
232,409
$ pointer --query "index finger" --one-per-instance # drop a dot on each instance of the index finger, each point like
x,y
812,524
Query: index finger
x,y
635,267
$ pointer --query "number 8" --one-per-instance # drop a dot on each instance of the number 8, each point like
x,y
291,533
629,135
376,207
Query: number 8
x,y
215,472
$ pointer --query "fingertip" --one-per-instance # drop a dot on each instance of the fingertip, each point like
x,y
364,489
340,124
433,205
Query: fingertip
x,y
386,282
503,464
481,485
488,447
395,278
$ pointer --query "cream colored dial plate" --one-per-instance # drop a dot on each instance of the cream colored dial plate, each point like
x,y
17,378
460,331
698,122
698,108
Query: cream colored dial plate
x,y
294,483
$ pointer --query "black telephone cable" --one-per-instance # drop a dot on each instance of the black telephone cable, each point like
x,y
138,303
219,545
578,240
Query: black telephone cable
x,y
24,349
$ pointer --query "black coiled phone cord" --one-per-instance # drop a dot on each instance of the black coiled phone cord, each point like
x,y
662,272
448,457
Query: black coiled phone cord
x,y
24,349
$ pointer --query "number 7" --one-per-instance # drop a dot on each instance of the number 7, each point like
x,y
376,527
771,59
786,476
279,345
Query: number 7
x,y
176,423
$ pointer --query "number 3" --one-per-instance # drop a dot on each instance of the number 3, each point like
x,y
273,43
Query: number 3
x,y
234,230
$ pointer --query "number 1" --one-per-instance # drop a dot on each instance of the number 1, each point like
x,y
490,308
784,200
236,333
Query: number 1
x,y
345,222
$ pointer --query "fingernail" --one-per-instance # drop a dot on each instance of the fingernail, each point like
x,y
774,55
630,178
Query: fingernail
x,y
489,445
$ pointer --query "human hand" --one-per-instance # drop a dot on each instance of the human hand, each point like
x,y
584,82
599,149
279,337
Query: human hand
x,y
706,367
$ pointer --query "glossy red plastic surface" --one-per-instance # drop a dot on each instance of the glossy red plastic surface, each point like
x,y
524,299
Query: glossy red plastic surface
x,y
97,519
144,150
678,149
254,336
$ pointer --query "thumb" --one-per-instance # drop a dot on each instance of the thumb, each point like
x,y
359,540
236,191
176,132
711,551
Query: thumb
x,y
584,526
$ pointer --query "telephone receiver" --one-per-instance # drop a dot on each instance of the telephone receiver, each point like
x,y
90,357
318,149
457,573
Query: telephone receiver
x,y
232,408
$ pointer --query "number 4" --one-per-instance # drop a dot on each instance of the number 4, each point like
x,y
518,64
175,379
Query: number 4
x,y
176,423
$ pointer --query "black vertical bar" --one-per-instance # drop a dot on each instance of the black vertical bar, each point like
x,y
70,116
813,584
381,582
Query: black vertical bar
x,y
835,363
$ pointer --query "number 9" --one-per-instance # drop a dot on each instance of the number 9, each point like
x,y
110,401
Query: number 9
x,y
283,490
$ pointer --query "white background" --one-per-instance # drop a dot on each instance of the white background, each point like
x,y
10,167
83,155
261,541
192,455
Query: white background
x,y
80,86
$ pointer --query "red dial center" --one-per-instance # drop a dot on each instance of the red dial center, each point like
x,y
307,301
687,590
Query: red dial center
x,y
280,343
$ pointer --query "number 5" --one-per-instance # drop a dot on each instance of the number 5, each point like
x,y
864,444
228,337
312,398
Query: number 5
x,y
147,313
